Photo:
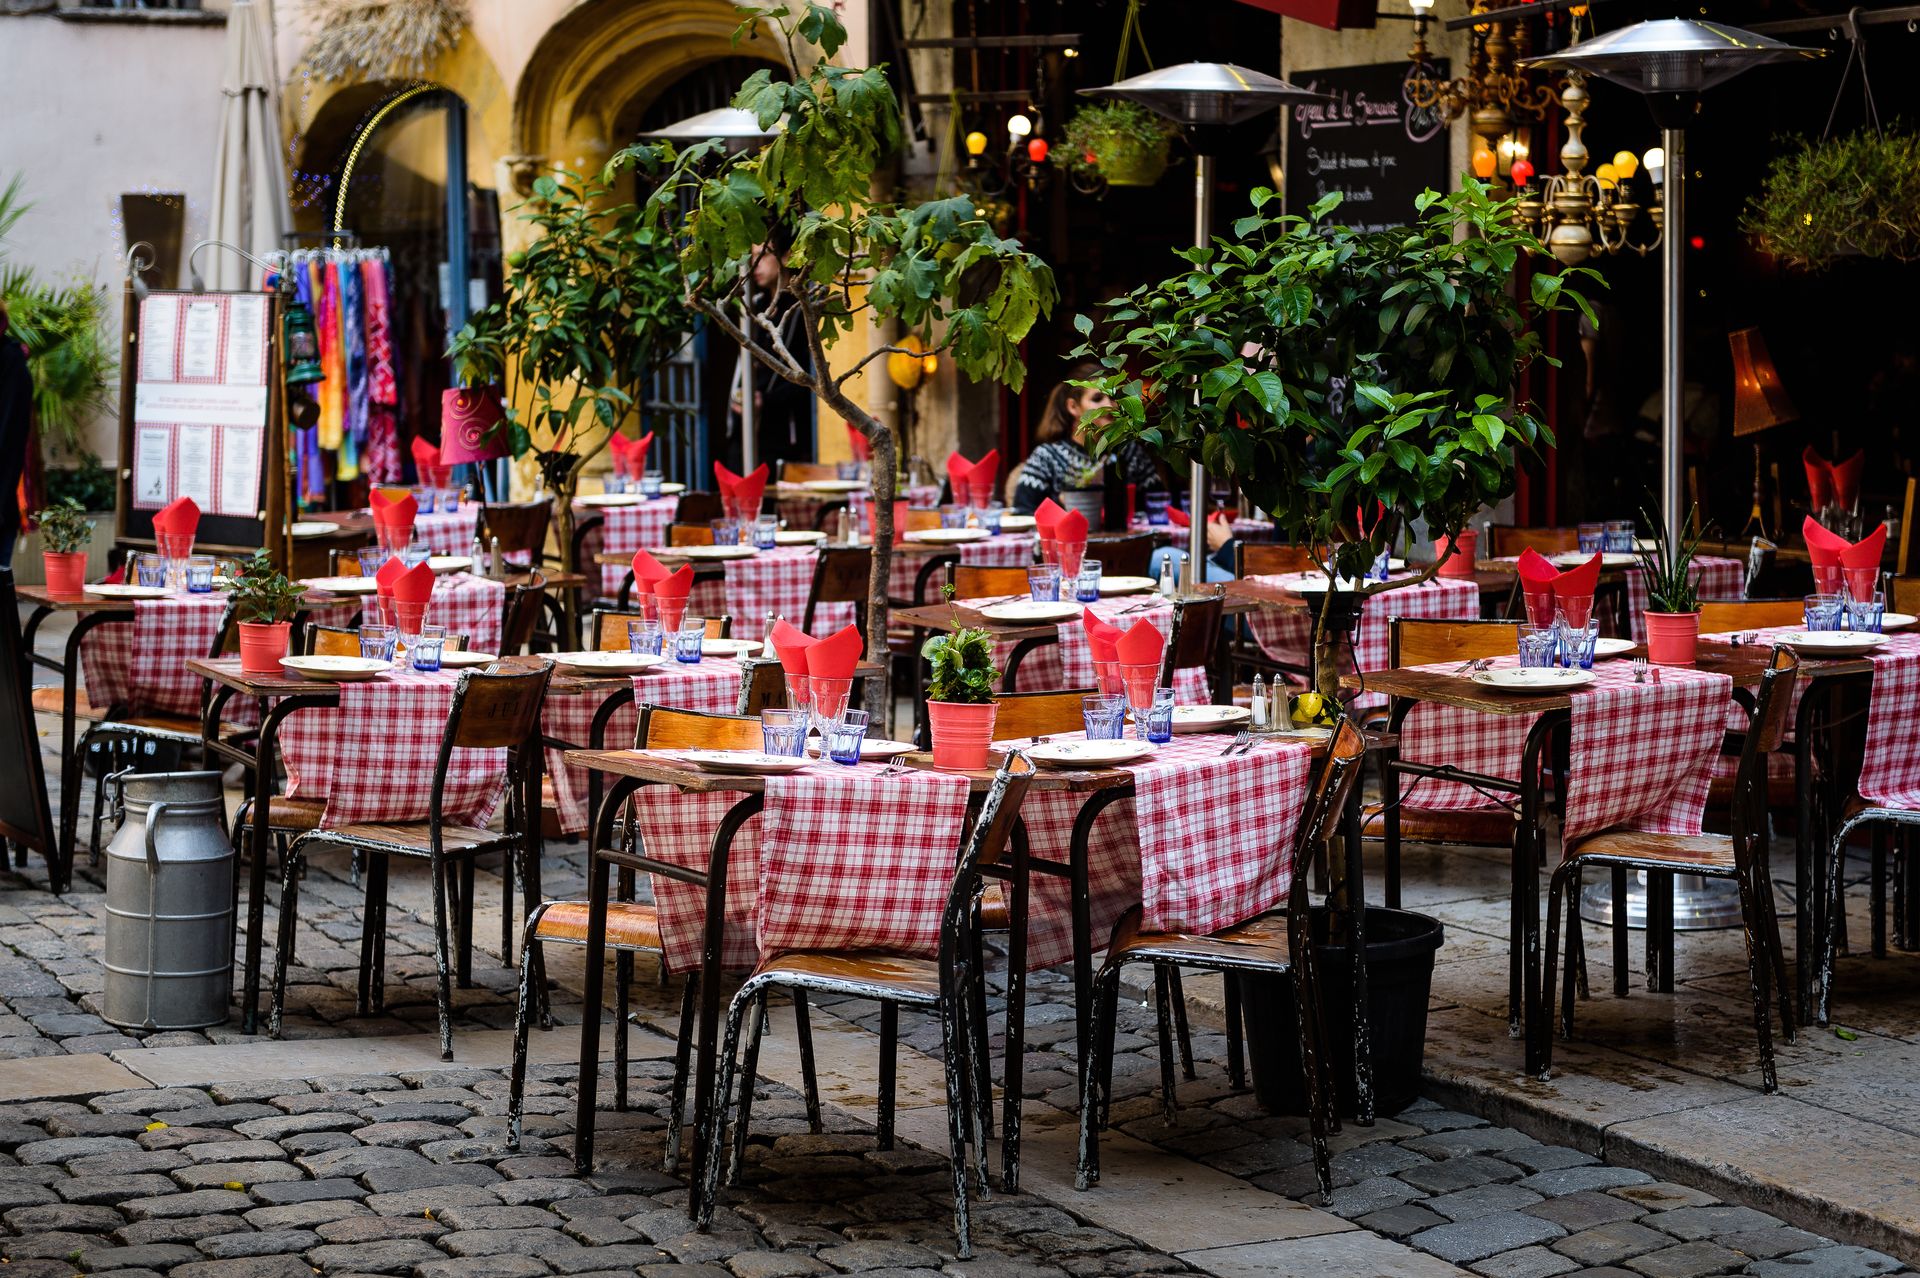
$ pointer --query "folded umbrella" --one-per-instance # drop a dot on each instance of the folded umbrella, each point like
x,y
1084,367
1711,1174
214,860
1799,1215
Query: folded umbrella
x,y
791,645
1819,479
836,656
1142,645
181,515
983,477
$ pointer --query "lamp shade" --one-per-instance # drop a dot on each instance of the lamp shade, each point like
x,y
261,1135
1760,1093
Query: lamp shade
x,y
1671,55
1759,400
1207,92
739,129
470,421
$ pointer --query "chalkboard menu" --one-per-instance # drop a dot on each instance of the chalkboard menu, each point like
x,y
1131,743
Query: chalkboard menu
x,y
1369,143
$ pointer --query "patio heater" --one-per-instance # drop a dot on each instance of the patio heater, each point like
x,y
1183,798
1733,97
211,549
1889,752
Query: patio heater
x,y
1671,62
1198,96
739,131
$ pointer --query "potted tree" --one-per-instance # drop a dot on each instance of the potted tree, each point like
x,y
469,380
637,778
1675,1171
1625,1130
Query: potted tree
x,y
265,603
960,707
1122,142
65,533
1673,601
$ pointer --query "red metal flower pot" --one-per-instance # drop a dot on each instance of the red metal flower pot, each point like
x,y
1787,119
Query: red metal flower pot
x,y
961,733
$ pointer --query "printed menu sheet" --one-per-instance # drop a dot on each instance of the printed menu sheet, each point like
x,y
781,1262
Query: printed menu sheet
x,y
200,404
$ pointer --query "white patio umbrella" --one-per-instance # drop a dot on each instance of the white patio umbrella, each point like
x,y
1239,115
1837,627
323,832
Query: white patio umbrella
x,y
249,207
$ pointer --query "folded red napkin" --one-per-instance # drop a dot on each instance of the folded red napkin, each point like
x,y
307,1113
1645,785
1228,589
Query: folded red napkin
x,y
1143,645
426,456
1071,528
835,656
959,469
1866,552
393,512
390,572
1827,548
630,455
862,446
181,515
1102,638
1045,515
1178,517
1846,480
1537,578
1819,479
792,645
675,585
415,585
1579,581
647,572
982,478
741,494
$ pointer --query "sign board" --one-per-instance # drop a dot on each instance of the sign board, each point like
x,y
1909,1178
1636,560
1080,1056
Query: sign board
x,y
1370,143
200,416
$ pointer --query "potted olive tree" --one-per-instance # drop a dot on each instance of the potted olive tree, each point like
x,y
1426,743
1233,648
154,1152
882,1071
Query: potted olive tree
x,y
265,603
960,707
65,533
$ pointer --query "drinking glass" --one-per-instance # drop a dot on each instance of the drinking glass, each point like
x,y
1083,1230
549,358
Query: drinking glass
x,y
1860,582
1047,547
953,516
829,698
1107,678
726,532
1141,682
409,619
200,574
416,554
1043,583
1864,614
446,500
1086,586
1382,565
1618,538
1068,554
377,641
800,693
687,642
615,482
671,612
149,570
784,732
1160,716
1157,503
644,637
1576,609
1822,611
848,470
650,483
842,735
372,560
425,651
423,500
765,529
1576,642
1105,715
1593,537
1536,646
989,516
1540,607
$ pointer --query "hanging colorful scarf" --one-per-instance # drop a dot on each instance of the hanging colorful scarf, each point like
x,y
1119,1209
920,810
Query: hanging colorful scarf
x,y
381,458
310,476
354,360
333,391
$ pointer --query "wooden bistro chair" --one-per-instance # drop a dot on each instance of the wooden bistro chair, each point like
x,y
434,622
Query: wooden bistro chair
x,y
972,581
491,711
840,576
1272,944
1123,554
1741,857
1722,617
938,984
1266,559
1197,640
1504,540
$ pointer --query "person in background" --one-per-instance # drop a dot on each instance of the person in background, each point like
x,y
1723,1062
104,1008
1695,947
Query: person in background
x,y
783,411
1060,458
16,419
1220,548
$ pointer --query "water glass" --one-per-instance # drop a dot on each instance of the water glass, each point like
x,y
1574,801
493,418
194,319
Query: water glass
x,y
1382,565
1157,503
416,554
423,500
687,643
1160,717
847,470
1864,614
988,516
726,532
765,531
953,515
1536,646
1618,538
1577,642
377,642
1086,587
149,570
650,483
1105,715
841,736
829,698
1822,611
1575,610
1043,583
372,559
200,574
1593,538
615,482
644,637
1141,683
447,500
784,732
425,651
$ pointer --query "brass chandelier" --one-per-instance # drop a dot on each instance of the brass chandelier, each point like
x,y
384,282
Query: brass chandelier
x,y
1579,214
1493,95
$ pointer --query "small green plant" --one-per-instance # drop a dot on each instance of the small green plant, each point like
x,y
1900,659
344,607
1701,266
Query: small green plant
x,y
1121,141
1857,195
1668,566
64,527
263,595
963,669
1091,475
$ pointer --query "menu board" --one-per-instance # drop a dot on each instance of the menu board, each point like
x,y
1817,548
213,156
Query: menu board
x,y
1370,143
198,418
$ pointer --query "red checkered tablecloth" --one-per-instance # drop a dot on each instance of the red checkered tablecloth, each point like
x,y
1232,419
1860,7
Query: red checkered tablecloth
x,y
1288,636
627,529
711,687
775,581
1069,663
1641,754
448,532
373,756
1008,550
471,606
142,666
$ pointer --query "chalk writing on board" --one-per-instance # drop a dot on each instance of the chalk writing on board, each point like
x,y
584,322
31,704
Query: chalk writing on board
x,y
1367,142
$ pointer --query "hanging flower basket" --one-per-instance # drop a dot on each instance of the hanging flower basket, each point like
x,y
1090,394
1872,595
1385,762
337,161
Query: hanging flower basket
x,y
1121,141
1854,196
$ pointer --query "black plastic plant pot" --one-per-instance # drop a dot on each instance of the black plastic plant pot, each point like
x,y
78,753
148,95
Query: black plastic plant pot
x,y
1400,954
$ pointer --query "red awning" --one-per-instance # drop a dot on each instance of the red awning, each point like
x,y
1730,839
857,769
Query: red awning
x,y
1335,15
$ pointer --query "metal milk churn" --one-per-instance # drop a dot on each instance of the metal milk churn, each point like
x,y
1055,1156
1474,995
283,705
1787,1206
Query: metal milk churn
x,y
169,951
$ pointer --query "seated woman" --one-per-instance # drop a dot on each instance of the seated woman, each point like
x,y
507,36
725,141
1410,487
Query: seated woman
x,y
1220,547
1060,458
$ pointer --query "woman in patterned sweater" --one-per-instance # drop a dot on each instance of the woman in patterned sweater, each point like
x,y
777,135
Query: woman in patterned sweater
x,y
1060,458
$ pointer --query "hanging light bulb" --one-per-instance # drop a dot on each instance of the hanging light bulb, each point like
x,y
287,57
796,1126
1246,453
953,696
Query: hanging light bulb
x,y
976,143
1626,163
929,363
1019,126
1037,150
1655,163
1607,176
1483,164
1521,172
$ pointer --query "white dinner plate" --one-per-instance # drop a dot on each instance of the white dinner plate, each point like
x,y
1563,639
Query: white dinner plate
x,y
1031,610
1315,583
872,747
342,585
460,659
450,563
1016,523
1830,643
707,552
115,590
1187,719
1533,679
1089,754
729,647
335,669
947,536
1897,620
603,663
1127,585
313,528
1604,647
751,762
1608,559
799,537
833,485
599,501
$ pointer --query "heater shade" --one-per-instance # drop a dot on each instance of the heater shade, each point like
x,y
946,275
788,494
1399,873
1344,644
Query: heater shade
x,y
739,129
1759,400
1671,55
1207,92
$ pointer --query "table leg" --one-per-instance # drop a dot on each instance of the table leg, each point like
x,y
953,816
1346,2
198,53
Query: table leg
x,y
1529,842
1805,856
707,1106
1016,1036
1079,857
259,843
599,877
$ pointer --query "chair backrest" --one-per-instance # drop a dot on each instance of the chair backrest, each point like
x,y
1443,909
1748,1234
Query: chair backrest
x,y
609,629
1771,714
1196,636
1038,714
921,520
972,581
698,508
1900,561
684,534
1333,783
496,711
1511,539
521,526
1129,555
986,840
1269,559
332,641
801,472
661,728
521,615
840,576
1719,616
1414,641
1905,596
763,686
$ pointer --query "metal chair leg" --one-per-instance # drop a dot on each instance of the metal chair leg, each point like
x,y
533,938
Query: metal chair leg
x,y
443,970
953,1042
747,999
749,1071
1757,974
622,1025
1097,1082
1236,1042
289,910
1177,992
523,1012
1163,1016
809,1078
682,1052
1621,956
889,1061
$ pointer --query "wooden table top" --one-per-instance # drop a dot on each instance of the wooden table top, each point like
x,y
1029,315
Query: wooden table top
x,y
59,601
1265,594
962,613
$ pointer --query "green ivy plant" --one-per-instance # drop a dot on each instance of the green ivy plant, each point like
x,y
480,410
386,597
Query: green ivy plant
x,y
1119,140
851,263
64,527
63,325
1852,196
263,595
1668,565
1348,382
963,672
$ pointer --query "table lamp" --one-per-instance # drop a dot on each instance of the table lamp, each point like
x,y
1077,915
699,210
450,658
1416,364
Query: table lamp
x,y
1760,403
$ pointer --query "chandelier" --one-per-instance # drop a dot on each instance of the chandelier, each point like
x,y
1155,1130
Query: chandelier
x,y
1579,214
1493,95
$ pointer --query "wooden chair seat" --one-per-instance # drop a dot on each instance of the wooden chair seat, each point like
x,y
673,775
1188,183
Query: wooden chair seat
x,y
1688,853
415,838
285,813
995,915
881,975
1261,939
1481,827
631,925
51,699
